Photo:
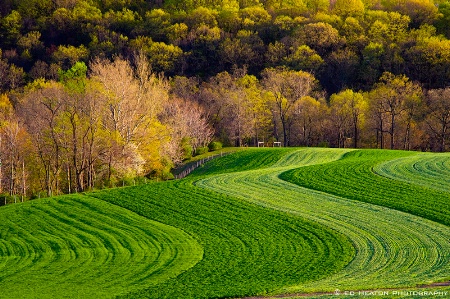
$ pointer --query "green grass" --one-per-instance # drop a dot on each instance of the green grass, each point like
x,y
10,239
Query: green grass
x,y
81,247
410,293
426,169
394,249
247,249
353,177
258,221
193,160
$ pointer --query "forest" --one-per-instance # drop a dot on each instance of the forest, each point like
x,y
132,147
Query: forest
x,y
97,92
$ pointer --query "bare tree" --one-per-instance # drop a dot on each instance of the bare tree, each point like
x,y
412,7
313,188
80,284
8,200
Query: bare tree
x,y
438,120
134,98
229,106
186,120
40,110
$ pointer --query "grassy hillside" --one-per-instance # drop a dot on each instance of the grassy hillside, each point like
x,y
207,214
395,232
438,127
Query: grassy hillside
x,y
81,247
353,177
394,249
248,249
259,221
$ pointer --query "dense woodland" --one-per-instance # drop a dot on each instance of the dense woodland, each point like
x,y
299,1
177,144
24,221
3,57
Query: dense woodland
x,y
94,92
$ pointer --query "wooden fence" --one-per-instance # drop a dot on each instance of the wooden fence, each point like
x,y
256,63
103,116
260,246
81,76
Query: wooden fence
x,y
194,165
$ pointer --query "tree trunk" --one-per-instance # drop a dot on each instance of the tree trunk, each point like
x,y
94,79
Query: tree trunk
x,y
47,180
256,131
407,143
11,178
109,168
305,138
69,179
391,131
23,180
381,133
442,145
285,135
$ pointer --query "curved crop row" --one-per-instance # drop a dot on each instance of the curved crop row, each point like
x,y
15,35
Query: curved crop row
x,y
393,249
232,233
80,247
428,170
353,177
248,250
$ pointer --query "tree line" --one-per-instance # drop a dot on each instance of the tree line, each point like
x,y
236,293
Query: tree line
x,y
98,92
93,128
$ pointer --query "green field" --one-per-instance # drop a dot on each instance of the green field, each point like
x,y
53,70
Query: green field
x,y
255,222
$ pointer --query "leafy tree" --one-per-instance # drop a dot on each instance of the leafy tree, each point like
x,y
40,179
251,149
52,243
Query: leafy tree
x,y
69,26
10,28
86,11
31,42
371,68
106,43
177,32
429,61
123,21
288,7
67,56
306,122
349,109
11,76
155,25
202,16
354,33
348,8
392,30
287,87
35,11
40,110
275,53
306,59
284,23
420,11
390,99
259,109
229,107
321,37
245,50
254,17
316,6
229,20
132,98
202,46
75,77
162,57
443,19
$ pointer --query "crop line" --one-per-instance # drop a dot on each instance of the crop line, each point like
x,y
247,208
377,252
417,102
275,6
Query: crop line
x,y
393,248
62,249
